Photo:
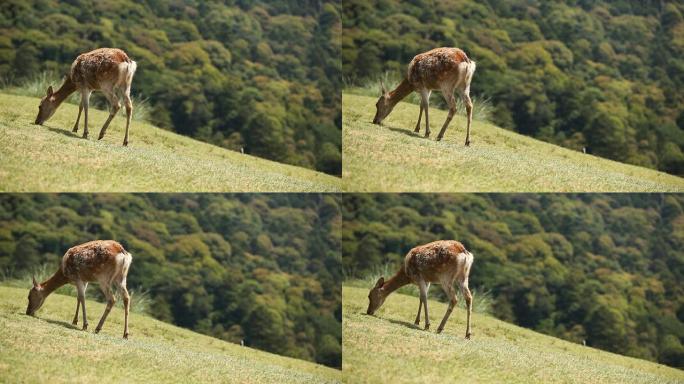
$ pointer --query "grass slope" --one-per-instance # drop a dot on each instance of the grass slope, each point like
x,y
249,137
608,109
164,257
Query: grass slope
x,y
387,348
49,349
391,158
52,159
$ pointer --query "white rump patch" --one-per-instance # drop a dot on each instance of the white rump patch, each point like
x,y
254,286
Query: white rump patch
x,y
466,258
123,260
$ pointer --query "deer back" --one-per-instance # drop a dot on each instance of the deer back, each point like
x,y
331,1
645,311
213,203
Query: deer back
x,y
438,68
95,261
438,261
101,66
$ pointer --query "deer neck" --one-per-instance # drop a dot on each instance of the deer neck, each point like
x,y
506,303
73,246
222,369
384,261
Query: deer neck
x,y
57,280
395,282
65,90
400,92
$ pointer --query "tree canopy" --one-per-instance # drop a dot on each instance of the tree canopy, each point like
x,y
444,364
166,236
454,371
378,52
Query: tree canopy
x,y
601,75
602,268
261,268
259,75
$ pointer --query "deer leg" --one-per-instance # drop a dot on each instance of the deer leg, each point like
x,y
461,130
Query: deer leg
x,y
129,113
127,302
425,96
80,288
420,115
469,303
449,97
78,304
449,290
423,297
106,289
85,100
469,110
420,306
114,101
78,118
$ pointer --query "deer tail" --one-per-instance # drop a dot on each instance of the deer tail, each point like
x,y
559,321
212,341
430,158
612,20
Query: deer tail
x,y
132,66
470,70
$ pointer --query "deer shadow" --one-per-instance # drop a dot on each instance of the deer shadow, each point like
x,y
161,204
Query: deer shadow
x,y
398,322
64,132
408,133
62,323
405,324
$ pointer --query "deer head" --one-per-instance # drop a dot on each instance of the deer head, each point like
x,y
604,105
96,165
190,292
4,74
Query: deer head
x,y
48,106
376,297
384,105
35,298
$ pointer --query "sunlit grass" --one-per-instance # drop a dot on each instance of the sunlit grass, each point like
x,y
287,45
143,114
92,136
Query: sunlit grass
x,y
388,348
391,158
47,348
50,158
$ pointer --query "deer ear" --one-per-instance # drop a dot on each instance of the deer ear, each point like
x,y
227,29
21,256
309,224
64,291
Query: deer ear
x,y
382,87
380,283
49,91
35,283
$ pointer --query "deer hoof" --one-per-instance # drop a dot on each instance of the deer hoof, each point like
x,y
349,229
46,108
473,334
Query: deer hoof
x,y
85,327
75,322
75,129
125,143
100,137
427,134
125,336
439,330
467,143
467,336
97,330
85,135
427,327
438,138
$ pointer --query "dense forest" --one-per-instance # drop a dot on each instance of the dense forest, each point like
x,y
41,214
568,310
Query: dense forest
x,y
260,75
263,268
602,75
607,269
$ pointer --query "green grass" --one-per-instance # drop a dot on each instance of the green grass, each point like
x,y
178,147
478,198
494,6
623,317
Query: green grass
x,y
387,348
48,348
391,158
51,158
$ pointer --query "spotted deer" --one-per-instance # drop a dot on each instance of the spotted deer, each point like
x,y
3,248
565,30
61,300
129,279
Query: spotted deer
x,y
442,262
102,261
441,69
105,69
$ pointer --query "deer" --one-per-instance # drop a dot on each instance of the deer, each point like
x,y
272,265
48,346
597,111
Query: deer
x,y
443,262
108,70
102,261
441,69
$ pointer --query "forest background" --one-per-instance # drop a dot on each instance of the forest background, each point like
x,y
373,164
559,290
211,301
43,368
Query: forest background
x,y
259,76
605,269
605,76
263,268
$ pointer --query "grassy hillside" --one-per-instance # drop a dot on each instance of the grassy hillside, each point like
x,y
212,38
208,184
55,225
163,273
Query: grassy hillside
x,y
392,158
388,348
49,348
51,158
260,74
